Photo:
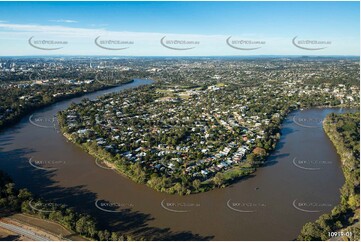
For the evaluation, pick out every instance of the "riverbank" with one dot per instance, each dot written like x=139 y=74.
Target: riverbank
x=44 y=220
x=273 y=180
x=41 y=227
x=228 y=178
x=135 y=173
x=344 y=132
x=182 y=183
x=27 y=110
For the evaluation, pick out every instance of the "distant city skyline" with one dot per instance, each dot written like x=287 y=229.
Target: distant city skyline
x=179 y=28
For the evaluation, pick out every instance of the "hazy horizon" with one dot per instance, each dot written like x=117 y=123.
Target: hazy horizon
x=180 y=28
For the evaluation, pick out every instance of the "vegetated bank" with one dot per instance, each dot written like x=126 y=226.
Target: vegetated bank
x=344 y=132
x=12 y=109
x=13 y=200
x=181 y=184
x=113 y=126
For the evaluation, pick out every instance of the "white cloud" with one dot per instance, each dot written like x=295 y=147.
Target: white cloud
x=49 y=30
x=63 y=21
x=99 y=25
x=82 y=41
x=72 y=32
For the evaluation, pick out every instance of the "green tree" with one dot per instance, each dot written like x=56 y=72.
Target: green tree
x=196 y=184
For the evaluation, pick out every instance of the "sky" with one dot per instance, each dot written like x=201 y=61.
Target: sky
x=179 y=28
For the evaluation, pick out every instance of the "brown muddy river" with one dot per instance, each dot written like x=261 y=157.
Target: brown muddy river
x=301 y=181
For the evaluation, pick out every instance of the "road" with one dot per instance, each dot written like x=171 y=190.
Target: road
x=24 y=232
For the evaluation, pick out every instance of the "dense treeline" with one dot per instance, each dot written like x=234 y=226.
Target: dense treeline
x=21 y=200
x=265 y=105
x=259 y=103
x=12 y=108
x=179 y=182
x=344 y=132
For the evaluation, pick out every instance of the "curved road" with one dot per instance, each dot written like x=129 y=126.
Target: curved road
x=24 y=232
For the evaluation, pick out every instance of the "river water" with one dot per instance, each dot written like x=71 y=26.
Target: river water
x=300 y=181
